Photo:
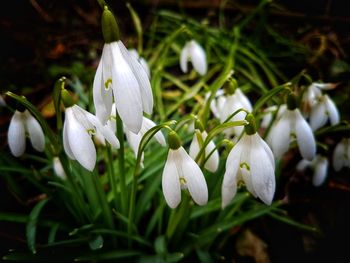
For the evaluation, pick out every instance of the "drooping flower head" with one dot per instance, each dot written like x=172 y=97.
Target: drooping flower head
x=23 y=123
x=251 y=161
x=78 y=127
x=291 y=126
x=120 y=77
x=341 y=154
x=182 y=172
x=143 y=62
x=193 y=52
x=320 y=167
x=199 y=137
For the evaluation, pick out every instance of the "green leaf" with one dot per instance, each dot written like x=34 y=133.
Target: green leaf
x=138 y=27
x=52 y=233
x=290 y=221
x=160 y=245
x=32 y=224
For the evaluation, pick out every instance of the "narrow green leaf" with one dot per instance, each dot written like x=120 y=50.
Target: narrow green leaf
x=32 y=224
x=138 y=27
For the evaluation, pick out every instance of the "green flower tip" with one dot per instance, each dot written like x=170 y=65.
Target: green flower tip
x=231 y=86
x=250 y=128
x=291 y=101
x=110 y=29
x=67 y=99
x=174 y=140
x=198 y=125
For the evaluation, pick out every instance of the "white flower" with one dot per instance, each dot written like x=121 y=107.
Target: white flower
x=320 y=166
x=310 y=98
x=251 y=161
x=58 y=168
x=78 y=127
x=212 y=163
x=268 y=113
x=120 y=75
x=182 y=172
x=193 y=52
x=341 y=155
x=289 y=127
x=142 y=61
x=20 y=124
x=135 y=139
x=323 y=110
x=233 y=103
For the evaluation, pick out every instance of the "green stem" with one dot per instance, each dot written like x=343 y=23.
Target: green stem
x=111 y=174
x=102 y=3
x=123 y=193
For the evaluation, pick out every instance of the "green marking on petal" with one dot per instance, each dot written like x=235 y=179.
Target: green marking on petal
x=183 y=181
x=108 y=83
x=245 y=165
x=91 y=131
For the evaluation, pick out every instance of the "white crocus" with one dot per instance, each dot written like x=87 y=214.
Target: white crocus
x=292 y=126
x=319 y=165
x=341 y=155
x=193 y=52
x=135 y=139
x=323 y=110
x=233 y=103
x=78 y=127
x=182 y=172
x=23 y=123
x=58 y=168
x=120 y=76
x=251 y=161
x=212 y=163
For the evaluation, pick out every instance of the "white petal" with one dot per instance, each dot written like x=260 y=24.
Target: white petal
x=144 y=64
x=147 y=125
x=142 y=78
x=262 y=172
x=229 y=184
x=247 y=178
x=170 y=182
x=66 y=145
x=244 y=100
x=198 y=58
x=194 y=177
x=58 y=168
x=212 y=163
x=318 y=116
x=279 y=136
x=134 y=140
x=338 y=156
x=305 y=137
x=126 y=92
x=303 y=164
x=36 y=134
x=266 y=148
x=332 y=111
x=184 y=58
x=103 y=129
x=16 y=135
x=320 y=173
x=80 y=143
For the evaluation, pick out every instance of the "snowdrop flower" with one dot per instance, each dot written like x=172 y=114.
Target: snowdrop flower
x=193 y=52
x=212 y=163
x=268 y=114
x=58 y=168
x=182 y=172
x=143 y=62
x=310 y=98
x=341 y=155
x=292 y=126
x=78 y=127
x=323 y=110
x=217 y=103
x=135 y=139
x=320 y=166
x=121 y=77
x=233 y=103
x=251 y=161
x=20 y=124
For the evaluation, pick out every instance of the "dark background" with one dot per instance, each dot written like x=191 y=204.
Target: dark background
x=40 y=39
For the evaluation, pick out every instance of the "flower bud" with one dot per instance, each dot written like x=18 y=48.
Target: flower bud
x=67 y=99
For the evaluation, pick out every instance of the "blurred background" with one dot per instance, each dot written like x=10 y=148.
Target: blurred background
x=41 y=40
